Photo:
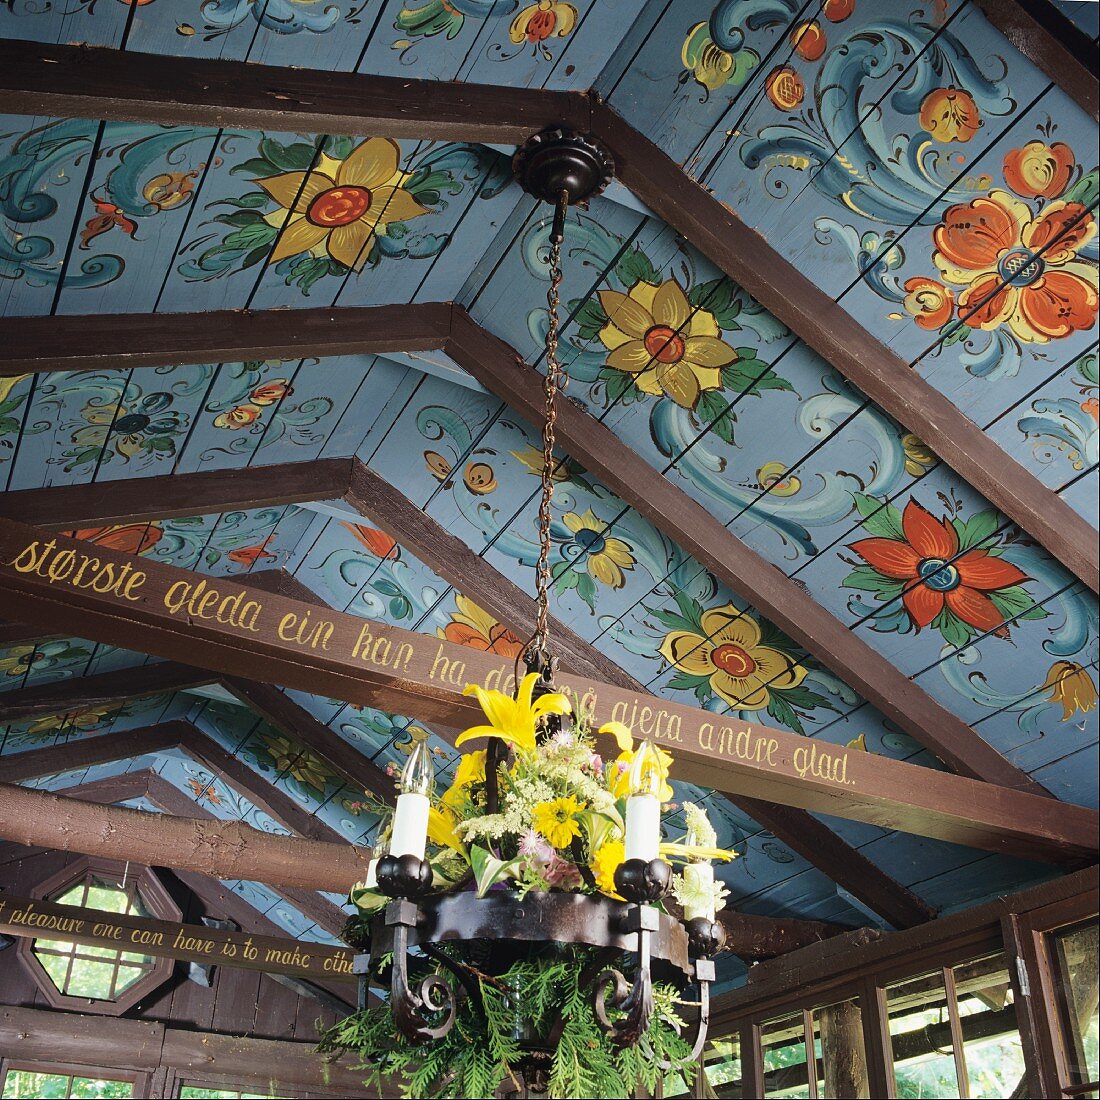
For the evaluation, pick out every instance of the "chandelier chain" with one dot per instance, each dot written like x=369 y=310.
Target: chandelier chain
x=554 y=382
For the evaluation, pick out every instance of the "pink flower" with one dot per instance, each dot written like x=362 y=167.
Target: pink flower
x=560 y=872
x=535 y=846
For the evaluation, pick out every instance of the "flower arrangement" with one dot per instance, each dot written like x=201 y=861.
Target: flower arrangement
x=539 y=810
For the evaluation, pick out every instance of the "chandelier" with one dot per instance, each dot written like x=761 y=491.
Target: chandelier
x=543 y=919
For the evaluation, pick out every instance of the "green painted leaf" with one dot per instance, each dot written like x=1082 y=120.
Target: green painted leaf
x=636 y=267
x=977 y=528
x=866 y=579
x=879 y=520
x=783 y=713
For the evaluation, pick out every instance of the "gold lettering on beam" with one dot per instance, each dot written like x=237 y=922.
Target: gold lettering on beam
x=57 y=567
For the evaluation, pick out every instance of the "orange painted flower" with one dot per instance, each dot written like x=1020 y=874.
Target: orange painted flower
x=950 y=114
x=933 y=581
x=1092 y=407
x=784 y=87
x=129 y=538
x=240 y=416
x=993 y=246
x=1039 y=170
x=836 y=11
x=249 y=555
x=539 y=21
x=267 y=393
x=377 y=542
x=808 y=40
x=928 y=302
x=339 y=207
x=471 y=626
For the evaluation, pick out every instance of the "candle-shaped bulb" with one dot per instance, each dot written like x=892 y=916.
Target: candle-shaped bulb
x=645 y=772
x=643 y=807
x=410 y=819
x=419 y=774
x=693 y=838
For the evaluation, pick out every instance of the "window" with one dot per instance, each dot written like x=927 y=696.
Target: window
x=44 y=1083
x=100 y=973
x=1074 y=956
x=99 y=979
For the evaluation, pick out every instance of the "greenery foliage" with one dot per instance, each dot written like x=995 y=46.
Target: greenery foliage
x=519 y=1008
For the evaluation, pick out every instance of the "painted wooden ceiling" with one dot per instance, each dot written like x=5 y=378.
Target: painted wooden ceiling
x=864 y=141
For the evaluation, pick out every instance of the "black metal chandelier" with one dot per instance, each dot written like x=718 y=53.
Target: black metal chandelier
x=634 y=942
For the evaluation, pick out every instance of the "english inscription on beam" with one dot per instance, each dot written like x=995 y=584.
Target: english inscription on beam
x=30 y=917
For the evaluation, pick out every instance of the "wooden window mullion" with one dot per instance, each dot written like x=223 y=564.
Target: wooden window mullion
x=876 y=1039
x=957 y=1046
x=811 y=1056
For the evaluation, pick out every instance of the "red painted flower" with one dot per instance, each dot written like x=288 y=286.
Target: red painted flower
x=129 y=538
x=377 y=542
x=923 y=560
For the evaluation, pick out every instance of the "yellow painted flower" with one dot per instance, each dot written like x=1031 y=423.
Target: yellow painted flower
x=741 y=670
x=619 y=777
x=472 y=626
x=605 y=863
x=513 y=720
x=339 y=206
x=9 y=384
x=919 y=457
x=1071 y=685
x=607 y=558
x=72 y=720
x=557 y=820
x=653 y=335
x=470 y=770
x=18 y=659
x=543 y=20
x=303 y=766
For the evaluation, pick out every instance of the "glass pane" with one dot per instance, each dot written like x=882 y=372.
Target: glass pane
x=784 y=1046
x=1075 y=965
x=723 y=1067
x=101 y=1086
x=57 y=967
x=841 y=1058
x=90 y=979
x=992 y=1048
x=127 y=975
x=21 y=1083
x=920 y=1035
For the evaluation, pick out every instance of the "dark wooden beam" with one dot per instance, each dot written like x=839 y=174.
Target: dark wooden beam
x=49 y=80
x=294 y=720
x=12 y=634
x=1052 y=43
x=228 y=849
x=147 y=784
x=124 y=340
x=102 y=690
x=65 y=507
x=496 y=366
x=114 y=1043
x=361 y=661
x=475 y=577
x=172 y=939
x=96 y=82
x=859 y=355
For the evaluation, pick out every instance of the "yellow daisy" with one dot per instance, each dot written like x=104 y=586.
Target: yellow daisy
x=557 y=820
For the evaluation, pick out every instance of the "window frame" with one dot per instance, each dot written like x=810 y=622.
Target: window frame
x=138 y=1078
x=154 y=895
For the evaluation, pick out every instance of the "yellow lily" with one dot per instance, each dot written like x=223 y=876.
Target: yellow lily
x=513 y=720
x=692 y=852
x=619 y=781
x=441 y=831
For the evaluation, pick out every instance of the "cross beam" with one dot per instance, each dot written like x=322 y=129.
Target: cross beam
x=110 y=597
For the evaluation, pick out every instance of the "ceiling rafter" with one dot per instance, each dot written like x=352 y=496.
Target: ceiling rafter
x=422 y=677
x=749 y=935
x=500 y=369
x=96 y=82
x=376 y=500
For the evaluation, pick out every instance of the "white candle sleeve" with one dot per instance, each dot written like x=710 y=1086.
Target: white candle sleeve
x=410 y=826
x=699 y=878
x=643 y=827
x=372 y=876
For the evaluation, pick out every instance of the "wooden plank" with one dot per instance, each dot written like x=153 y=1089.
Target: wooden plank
x=93 y=82
x=735 y=564
x=137 y=500
x=87 y=692
x=1052 y=44
x=221 y=624
x=228 y=849
x=853 y=350
x=111 y=1042
x=30 y=917
x=376 y=500
x=113 y=341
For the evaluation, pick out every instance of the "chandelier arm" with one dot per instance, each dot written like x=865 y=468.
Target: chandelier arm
x=433 y=994
x=703 y=1024
x=635 y=999
x=469 y=983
